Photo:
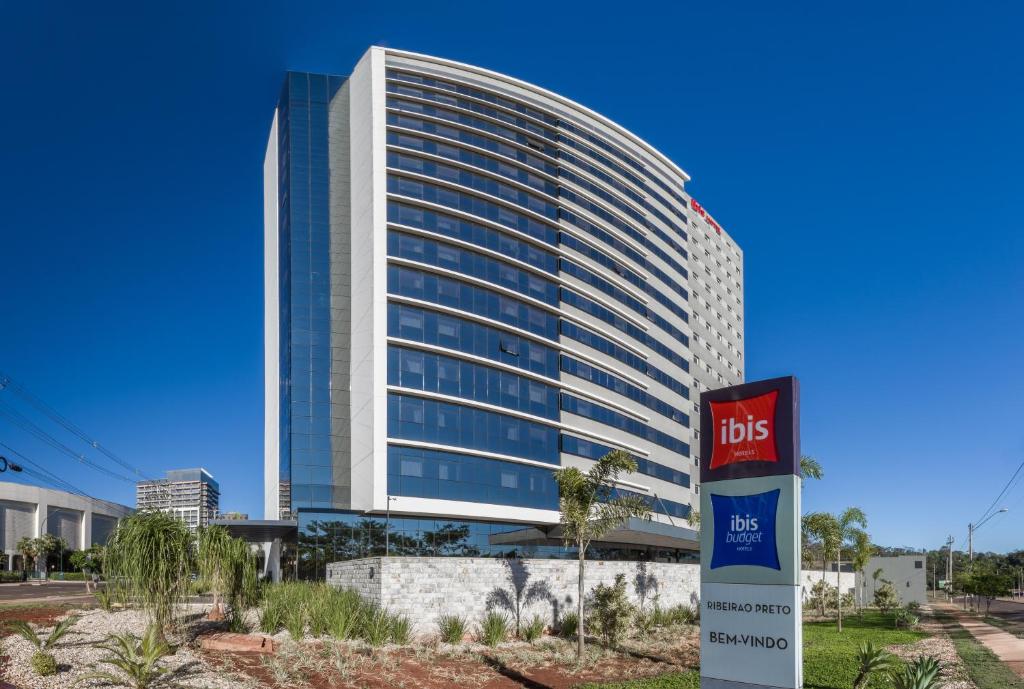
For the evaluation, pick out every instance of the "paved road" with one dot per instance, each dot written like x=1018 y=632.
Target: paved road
x=1001 y=607
x=51 y=591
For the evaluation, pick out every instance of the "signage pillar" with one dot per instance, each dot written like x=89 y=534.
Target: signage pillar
x=751 y=600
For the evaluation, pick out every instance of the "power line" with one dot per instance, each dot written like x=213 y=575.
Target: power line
x=28 y=426
x=1003 y=492
x=19 y=389
x=43 y=474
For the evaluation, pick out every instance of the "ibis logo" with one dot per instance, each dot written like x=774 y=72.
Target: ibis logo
x=745 y=530
x=744 y=430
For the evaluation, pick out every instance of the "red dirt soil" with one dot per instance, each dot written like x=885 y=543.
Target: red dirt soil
x=389 y=669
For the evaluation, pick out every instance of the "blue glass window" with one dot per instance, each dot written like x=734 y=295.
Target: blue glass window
x=418 y=370
x=477 y=265
x=591 y=450
x=417 y=284
x=596 y=412
x=449 y=476
x=444 y=423
x=606 y=346
x=607 y=380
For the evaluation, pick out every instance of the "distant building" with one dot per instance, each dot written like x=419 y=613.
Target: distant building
x=906 y=573
x=233 y=516
x=192 y=495
x=30 y=511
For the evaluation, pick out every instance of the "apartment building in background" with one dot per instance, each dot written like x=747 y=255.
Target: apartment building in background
x=471 y=281
x=192 y=495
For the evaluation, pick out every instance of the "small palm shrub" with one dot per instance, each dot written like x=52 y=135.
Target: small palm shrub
x=401 y=630
x=611 y=611
x=683 y=614
x=42 y=661
x=320 y=606
x=533 y=629
x=376 y=626
x=494 y=628
x=903 y=617
x=870 y=660
x=137 y=658
x=923 y=673
x=569 y=624
x=452 y=628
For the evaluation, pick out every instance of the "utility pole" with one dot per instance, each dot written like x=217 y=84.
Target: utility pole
x=949 y=566
x=970 y=542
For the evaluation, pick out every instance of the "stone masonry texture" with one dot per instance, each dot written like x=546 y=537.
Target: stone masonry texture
x=425 y=588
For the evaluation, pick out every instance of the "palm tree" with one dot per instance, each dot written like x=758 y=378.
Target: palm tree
x=851 y=524
x=590 y=509
x=811 y=468
x=823 y=529
x=226 y=564
x=151 y=556
x=862 y=552
x=29 y=549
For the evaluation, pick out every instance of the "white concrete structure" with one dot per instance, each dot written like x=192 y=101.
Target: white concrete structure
x=30 y=511
x=906 y=573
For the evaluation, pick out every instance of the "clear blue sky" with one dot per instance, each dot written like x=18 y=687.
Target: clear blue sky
x=867 y=159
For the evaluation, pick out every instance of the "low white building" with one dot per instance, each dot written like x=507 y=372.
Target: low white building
x=32 y=511
x=906 y=573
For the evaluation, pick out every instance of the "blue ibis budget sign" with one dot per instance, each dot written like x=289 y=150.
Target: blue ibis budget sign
x=745 y=530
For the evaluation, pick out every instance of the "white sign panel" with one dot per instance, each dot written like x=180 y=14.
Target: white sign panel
x=750 y=634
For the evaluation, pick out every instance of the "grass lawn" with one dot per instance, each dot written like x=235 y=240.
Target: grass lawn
x=984 y=669
x=829 y=656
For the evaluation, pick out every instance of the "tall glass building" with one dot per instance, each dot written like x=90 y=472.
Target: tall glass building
x=470 y=282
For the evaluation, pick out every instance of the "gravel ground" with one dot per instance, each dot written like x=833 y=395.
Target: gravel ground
x=941 y=646
x=76 y=656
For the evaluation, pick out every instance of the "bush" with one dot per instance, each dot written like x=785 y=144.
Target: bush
x=683 y=614
x=494 y=628
x=376 y=627
x=345 y=614
x=923 y=673
x=8 y=577
x=104 y=598
x=569 y=625
x=533 y=629
x=452 y=628
x=886 y=598
x=401 y=630
x=44 y=664
x=822 y=590
x=611 y=611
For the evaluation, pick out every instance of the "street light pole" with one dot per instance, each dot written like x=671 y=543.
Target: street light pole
x=971 y=528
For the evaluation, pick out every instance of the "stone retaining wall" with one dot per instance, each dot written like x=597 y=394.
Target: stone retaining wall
x=424 y=588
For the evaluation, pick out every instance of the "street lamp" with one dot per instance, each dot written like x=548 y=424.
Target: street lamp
x=5 y=465
x=971 y=528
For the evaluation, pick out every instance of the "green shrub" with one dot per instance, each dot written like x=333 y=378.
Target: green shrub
x=69 y=576
x=345 y=616
x=533 y=629
x=376 y=626
x=401 y=630
x=869 y=661
x=452 y=628
x=644 y=622
x=886 y=598
x=8 y=577
x=44 y=664
x=822 y=590
x=611 y=611
x=494 y=628
x=319 y=605
x=683 y=614
x=569 y=624
x=137 y=658
x=923 y=673
x=104 y=598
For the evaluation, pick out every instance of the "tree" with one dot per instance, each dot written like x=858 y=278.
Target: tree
x=151 y=557
x=590 y=509
x=823 y=530
x=862 y=551
x=227 y=565
x=990 y=585
x=48 y=543
x=886 y=598
x=811 y=468
x=850 y=524
x=88 y=561
x=29 y=549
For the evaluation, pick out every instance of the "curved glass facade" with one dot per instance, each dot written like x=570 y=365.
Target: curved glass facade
x=537 y=264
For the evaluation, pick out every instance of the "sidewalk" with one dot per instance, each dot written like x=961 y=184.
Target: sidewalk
x=1007 y=647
